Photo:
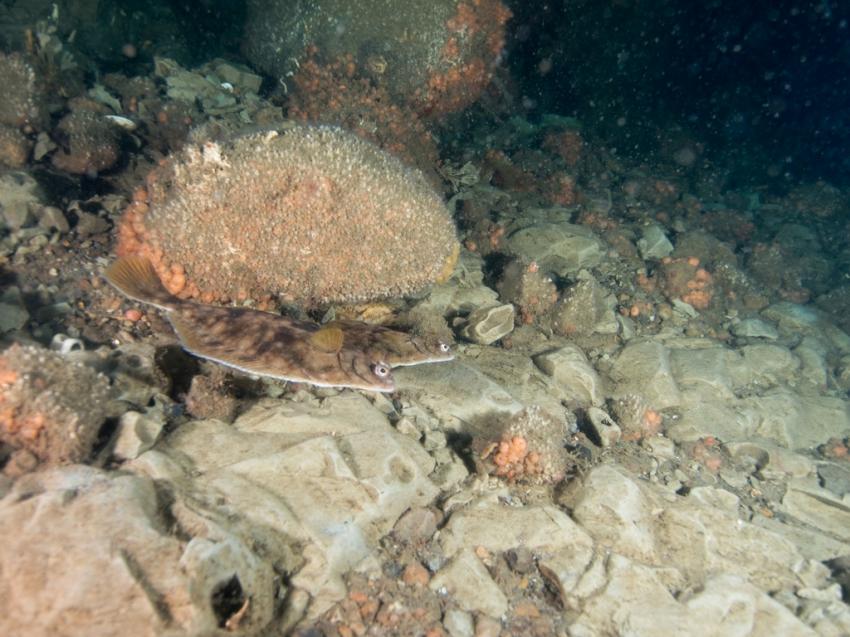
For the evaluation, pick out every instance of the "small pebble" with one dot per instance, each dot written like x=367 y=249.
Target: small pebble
x=415 y=574
x=487 y=627
x=133 y=315
x=520 y=559
x=416 y=526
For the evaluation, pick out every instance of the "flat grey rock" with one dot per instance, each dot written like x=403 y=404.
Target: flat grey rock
x=644 y=368
x=562 y=248
x=654 y=243
x=330 y=477
x=569 y=368
x=755 y=328
x=466 y=581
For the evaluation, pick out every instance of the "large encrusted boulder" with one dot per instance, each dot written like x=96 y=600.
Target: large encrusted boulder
x=309 y=214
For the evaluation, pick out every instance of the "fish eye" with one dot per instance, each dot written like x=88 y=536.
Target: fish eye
x=381 y=370
x=445 y=347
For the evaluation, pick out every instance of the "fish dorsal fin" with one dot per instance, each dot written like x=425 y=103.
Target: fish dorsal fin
x=328 y=339
x=136 y=277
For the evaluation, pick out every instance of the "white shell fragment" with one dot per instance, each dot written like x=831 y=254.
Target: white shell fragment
x=65 y=344
x=124 y=122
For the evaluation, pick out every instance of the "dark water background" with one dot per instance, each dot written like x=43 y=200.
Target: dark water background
x=763 y=85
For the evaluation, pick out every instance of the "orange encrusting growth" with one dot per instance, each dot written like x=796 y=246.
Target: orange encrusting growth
x=476 y=36
x=513 y=459
x=530 y=449
x=132 y=240
x=429 y=58
x=685 y=279
x=340 y=92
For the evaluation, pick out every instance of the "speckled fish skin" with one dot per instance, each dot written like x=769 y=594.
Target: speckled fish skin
x=251 y=341
x=396 y=348
x=271 y=345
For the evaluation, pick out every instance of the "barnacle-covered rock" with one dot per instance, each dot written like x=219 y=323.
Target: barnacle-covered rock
x=531 y=449
x=530 y=289
x=14 y=147
x=90 y=143
x=24 y=104
x=50 y=407
x=309 y=214
x=438 y=56
x=635 y=417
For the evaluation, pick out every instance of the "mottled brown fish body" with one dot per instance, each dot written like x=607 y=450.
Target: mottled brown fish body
x=396 y=348
x=252 y=341
x=271 y=345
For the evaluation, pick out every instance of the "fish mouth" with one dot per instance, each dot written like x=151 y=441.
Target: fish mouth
x=386 y=388
x=383 y=389
x=431 y=359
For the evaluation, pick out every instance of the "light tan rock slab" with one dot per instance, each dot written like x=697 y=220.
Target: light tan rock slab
x=643 y=368
x=767 y=365
x=521 y=379
x=466 y=580
x=706 y=372
x=563 y=248
x=636 y=602
x=456 y=393
x=91 y=553
x=819 y=509
x=721 y=420
x=498 y=528
x=330 y=477
x=795 y=421
x=569 y=368
x=697 y=535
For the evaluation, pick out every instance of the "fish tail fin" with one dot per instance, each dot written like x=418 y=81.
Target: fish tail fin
x=135 y=277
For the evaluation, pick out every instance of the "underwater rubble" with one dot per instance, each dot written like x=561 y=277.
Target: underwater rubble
x=645 y=428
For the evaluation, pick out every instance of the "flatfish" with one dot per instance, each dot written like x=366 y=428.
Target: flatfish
x=256 y=342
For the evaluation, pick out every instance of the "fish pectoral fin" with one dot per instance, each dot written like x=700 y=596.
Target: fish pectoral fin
x=136 y=277
x=328 y=339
